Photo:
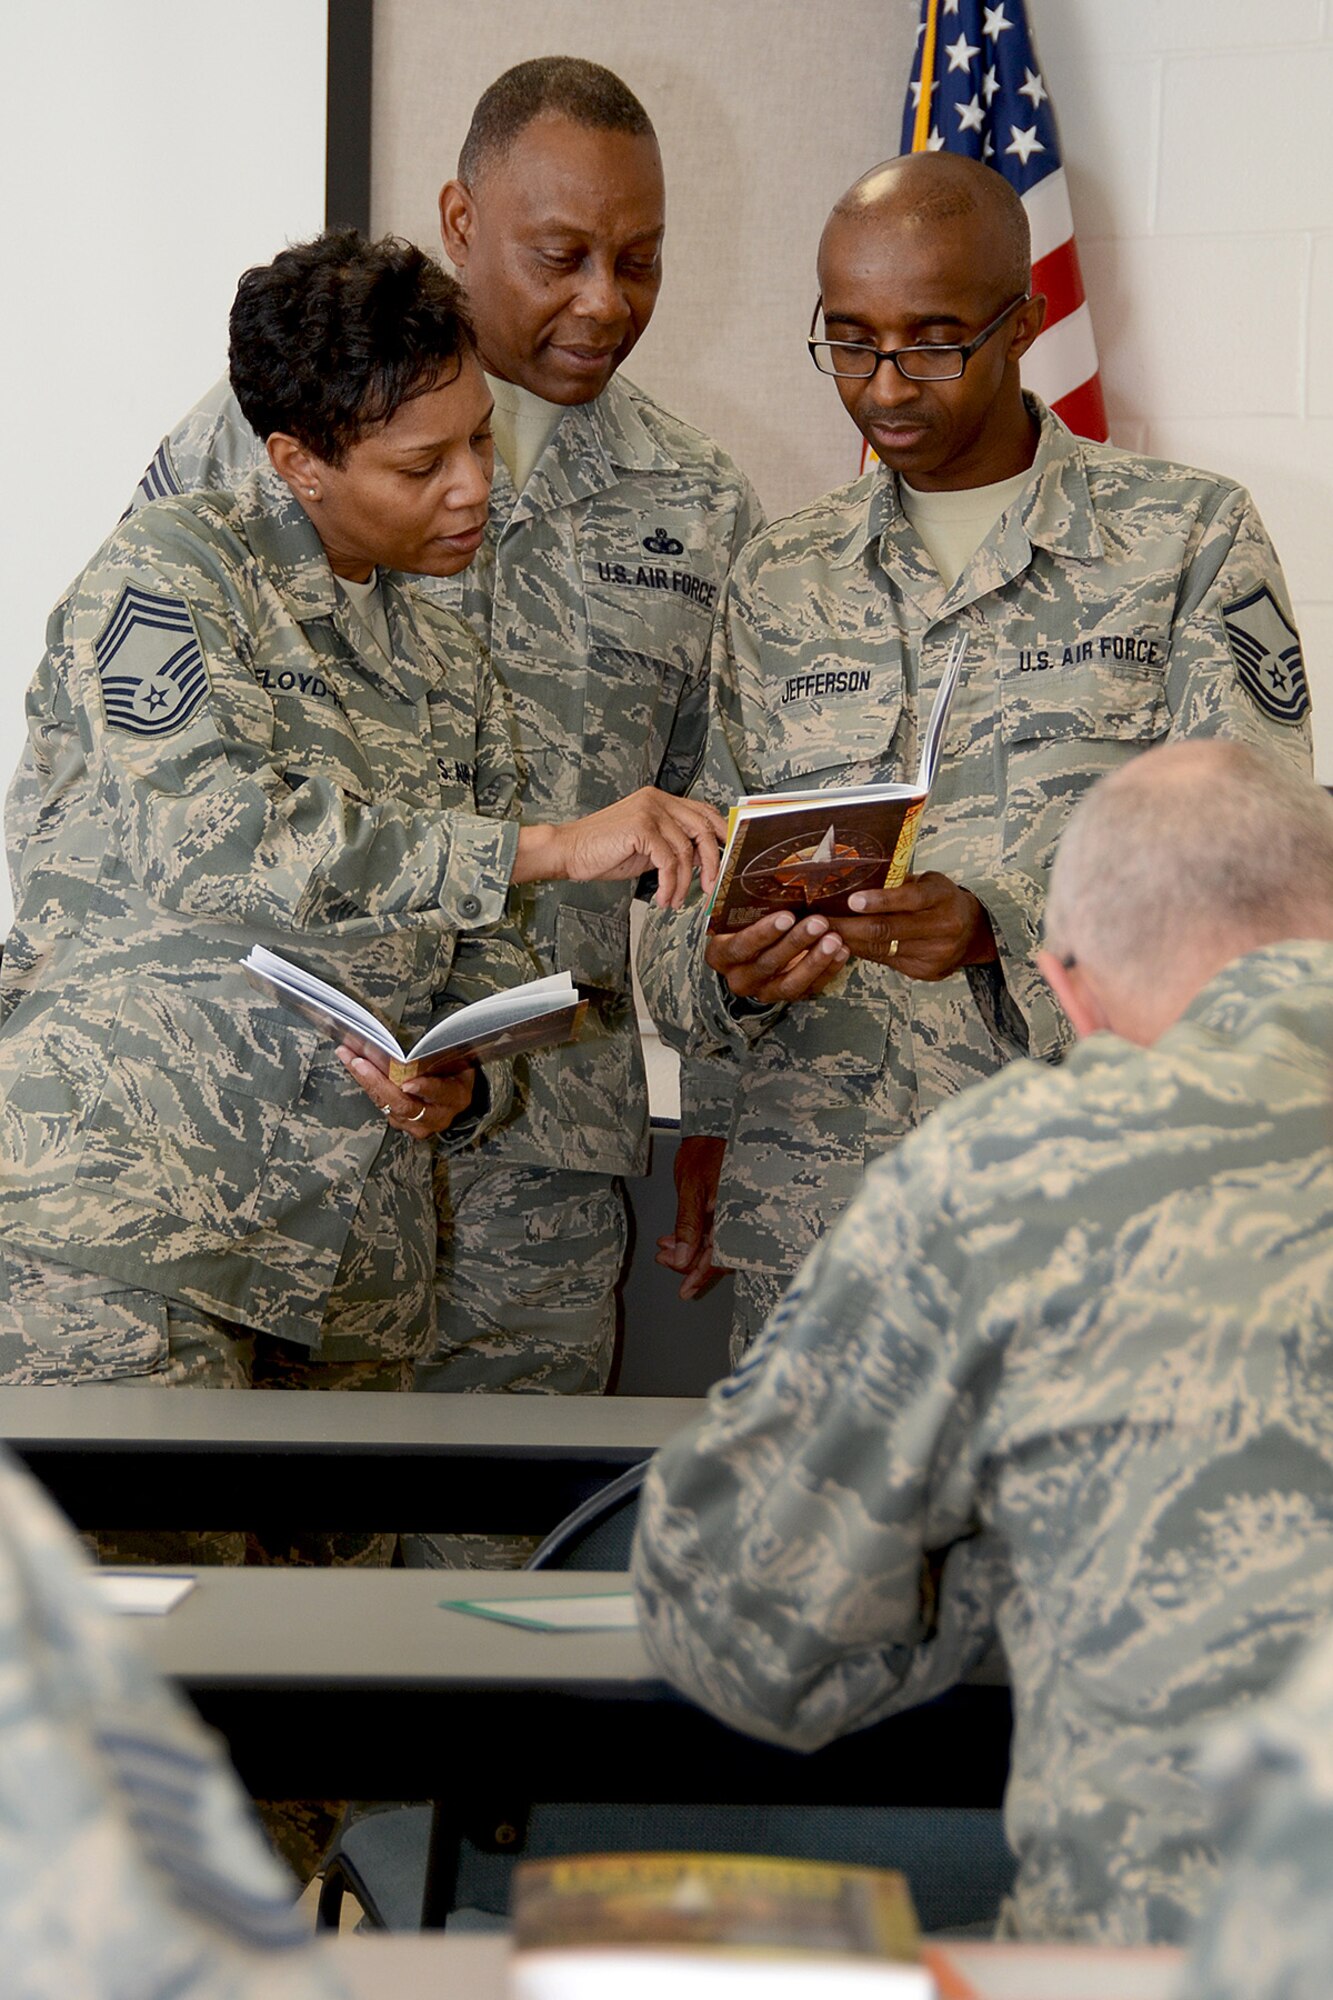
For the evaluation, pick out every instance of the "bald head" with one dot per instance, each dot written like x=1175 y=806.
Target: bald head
x=932 y=250
x=928 y=193
x=1178 y=863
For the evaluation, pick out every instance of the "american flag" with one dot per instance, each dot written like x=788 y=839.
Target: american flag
x=986 y=98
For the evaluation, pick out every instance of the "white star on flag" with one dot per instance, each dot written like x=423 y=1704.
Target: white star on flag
x=951 y=6
x=996 y=22
x=988 y=148
x=935 y=143
x=1024 y=143
x=916 y=91
x=1033 y=87
x=990 y=83
x=960 y=53
x=970 y=115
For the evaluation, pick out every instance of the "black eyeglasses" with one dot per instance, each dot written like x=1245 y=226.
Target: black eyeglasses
x=945 y=363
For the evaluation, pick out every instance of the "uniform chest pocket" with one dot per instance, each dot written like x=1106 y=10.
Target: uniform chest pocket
x=631 y=702
x=190 y=1107
x=312 y=740
x=837 y=722
x=1062 y=731
x=659 y=605
x=1084 y=704
x=649 y=626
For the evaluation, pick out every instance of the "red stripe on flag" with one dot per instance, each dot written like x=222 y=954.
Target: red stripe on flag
x=1084 y=411
x=1058 y=275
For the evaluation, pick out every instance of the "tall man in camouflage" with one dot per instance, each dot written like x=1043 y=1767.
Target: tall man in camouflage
x=1108 y=601
x=611 y=532
x=1063 y=1374
x=130 y=1865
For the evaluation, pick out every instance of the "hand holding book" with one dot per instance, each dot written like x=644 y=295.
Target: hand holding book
x=810 y=879
x=423 y=1108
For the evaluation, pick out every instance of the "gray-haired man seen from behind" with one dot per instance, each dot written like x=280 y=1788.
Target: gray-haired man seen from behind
x=1070 y=1353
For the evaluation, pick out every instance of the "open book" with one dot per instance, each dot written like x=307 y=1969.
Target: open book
x=715 y=1926
x=536 y=1015
x=807 y=851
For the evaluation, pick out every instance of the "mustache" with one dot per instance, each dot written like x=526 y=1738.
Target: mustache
x=892 y=416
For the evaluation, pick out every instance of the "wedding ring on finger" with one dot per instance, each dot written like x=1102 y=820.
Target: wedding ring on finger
x=893 y=947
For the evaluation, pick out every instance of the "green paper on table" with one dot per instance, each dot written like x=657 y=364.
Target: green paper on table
x=605 y=1611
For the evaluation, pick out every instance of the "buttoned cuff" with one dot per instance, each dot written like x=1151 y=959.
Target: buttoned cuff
x=1012 y=998
x=482 y=854
x=707 y=1096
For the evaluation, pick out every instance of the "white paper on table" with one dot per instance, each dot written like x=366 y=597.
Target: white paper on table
x=141 y=1593
x=606 y=1611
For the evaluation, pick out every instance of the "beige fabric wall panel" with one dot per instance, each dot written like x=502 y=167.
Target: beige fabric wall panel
x=766 y=110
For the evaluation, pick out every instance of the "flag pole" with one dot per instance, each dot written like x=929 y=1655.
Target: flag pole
x=921 y=128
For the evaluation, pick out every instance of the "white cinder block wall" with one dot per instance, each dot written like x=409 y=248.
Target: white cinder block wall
x=1199 y=145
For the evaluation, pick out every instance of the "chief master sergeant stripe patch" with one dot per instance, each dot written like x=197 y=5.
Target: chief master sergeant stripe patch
x=149 y=663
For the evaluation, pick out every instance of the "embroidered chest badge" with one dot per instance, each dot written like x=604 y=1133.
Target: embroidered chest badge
x=149 y=664
x=660 y=543
x=1267 y=651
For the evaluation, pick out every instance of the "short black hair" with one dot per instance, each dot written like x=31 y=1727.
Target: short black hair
x=336 y=334
x=581 y=91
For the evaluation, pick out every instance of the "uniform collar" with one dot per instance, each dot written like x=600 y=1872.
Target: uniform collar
x=587 y=453
x=1056 y=513
x=1249 y=986
x=283 y=540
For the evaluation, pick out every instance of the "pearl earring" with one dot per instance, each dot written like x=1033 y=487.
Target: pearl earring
x=311 y=491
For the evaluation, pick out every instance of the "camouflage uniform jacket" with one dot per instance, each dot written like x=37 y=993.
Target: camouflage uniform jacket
x=1267 y=1934
x=130 y=1864
x=595 y=590
x=1096 y=615
x=227 y=759
x=1074 y=1339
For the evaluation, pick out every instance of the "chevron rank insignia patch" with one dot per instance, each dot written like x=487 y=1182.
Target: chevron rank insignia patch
x=148 y=661
x=1267 y=652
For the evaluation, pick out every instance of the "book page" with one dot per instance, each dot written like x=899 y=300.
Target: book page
x=532 y=1000
x=316 y=1001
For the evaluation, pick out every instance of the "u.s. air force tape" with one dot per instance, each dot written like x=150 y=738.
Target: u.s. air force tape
x=149 y=663
x=1267 y=651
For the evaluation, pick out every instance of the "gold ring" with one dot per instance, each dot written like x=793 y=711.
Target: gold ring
x=893 y=947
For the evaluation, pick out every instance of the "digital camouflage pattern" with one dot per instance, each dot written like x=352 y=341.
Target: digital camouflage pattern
x=1074 y=1342
x=1097 y=617
x=533 y=1248
x=595 y=590
x=130 y=1865
x=1267 y=1933
x=226 y=758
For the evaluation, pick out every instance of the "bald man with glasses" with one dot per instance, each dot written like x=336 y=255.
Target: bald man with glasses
x=1109 y=601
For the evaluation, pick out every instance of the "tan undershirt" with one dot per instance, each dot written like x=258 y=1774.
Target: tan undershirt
x=367 y=601
x=954 y=525
x=523 y=424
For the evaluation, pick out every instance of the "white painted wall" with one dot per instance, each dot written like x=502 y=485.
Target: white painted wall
x=1197 y=141
x=151 y=150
